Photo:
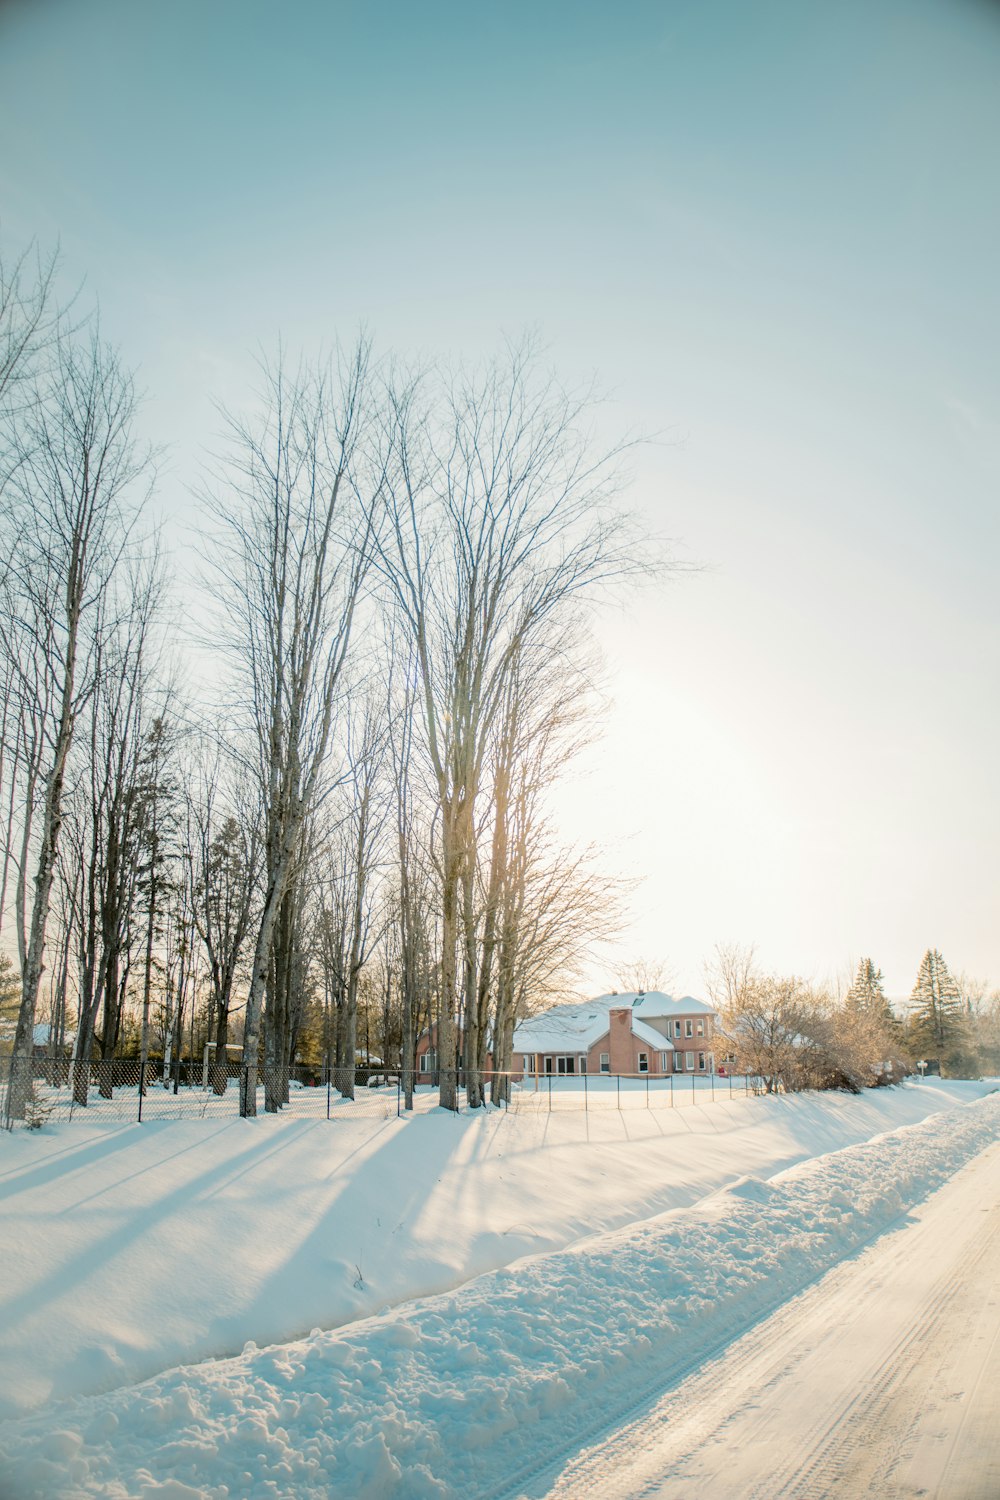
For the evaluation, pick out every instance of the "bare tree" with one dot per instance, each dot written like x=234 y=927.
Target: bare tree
x=729 y=972
x=29 y=321
x=225 y=858
x=499 y=516
x=297 y=515
x=66 y=521
x=351 y=865
x=644 y=975
x=101 y=849
x=547 y=907
x=765 y=1024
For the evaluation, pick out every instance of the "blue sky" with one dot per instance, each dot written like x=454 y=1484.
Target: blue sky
x=769 y=229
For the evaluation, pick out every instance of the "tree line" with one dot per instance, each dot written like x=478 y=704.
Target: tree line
x=332 y=827
x=794 y=1034
x=345 y=800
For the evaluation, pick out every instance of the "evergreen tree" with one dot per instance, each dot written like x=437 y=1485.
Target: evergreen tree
x=10 y=1001
x=867 y=993
x=937 y=1027
x=876 y=1031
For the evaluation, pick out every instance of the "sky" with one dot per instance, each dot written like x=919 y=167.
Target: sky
x=768 y=231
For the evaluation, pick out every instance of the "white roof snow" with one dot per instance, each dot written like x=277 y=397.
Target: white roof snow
x=656 y=1039
x=564 y=1028
x=649 y=1003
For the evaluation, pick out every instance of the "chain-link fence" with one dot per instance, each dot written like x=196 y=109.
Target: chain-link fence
x=123 y=1090
x=550 y=1092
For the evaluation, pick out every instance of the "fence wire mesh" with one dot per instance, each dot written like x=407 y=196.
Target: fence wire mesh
x=122 y=1090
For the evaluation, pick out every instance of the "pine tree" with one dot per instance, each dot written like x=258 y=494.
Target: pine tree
x=10 y=1001
x=875 y=1030
x=867 y=993
x=937 y=1016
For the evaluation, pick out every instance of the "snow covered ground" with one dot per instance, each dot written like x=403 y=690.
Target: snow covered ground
x=129 y=1250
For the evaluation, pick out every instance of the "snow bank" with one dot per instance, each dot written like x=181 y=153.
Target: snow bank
x=129 y=1249
x=461 y=1393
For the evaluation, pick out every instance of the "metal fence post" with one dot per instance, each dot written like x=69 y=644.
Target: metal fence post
x=550 y=1093
x=585 y=1093
x=399 y=1095
x=328 y=1094
x=671 y=1091
x=618 y=1085
x=647 y=1090
x=692 y=1087
x=142 y=1085
x=712 y=1076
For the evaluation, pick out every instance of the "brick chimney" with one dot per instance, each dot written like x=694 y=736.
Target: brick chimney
x=620 y=1038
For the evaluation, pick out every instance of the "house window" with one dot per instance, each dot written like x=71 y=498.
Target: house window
x=583 y=1063
x=664 y=1061
x=565 y=1065
x=605 y=1062
x=689 y=1060
x=701 y=1062
x=643 y=1062
x=428 y=1062
x=701 y=1028
x=548 y=1065
x=677 y=1028
x=689 y=1028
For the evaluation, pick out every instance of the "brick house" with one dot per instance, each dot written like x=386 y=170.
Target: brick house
x=645 y=1032
x=636 y=1032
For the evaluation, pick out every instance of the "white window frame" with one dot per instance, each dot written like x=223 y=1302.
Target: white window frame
x=677 y=1028
x=643 y=1062
x=701 y=1028
x=664 y=1061
x=582 y=1060
x=689 y=1061
x=688 y=1028
x=605 y=1062
x=701 y=1062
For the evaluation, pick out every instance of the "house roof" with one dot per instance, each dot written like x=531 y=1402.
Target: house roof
x=575 y=1028
x=654 y=1003
x=564 y=1028
x=656 y=1039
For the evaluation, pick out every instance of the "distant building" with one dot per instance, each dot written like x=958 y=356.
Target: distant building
x=636 y=1032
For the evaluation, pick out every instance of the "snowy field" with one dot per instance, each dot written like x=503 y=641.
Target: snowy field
x=382 y=1098
x=577 y=1259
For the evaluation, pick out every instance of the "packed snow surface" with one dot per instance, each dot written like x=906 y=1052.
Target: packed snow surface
x=131 y=1249
x=879 y=1379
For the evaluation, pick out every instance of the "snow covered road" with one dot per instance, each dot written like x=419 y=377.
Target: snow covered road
x=880 y=1380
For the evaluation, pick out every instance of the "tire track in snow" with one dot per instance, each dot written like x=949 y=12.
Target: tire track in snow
x=863 y=1439
x=861 y=1444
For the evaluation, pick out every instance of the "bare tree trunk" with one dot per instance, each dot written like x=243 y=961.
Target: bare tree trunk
x=76 y=460
x=301 y=547
x=148 y=970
